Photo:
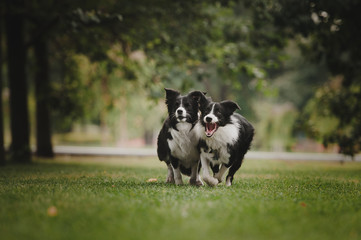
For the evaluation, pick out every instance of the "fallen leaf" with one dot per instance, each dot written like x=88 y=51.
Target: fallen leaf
x=52 y=211
x=152 y=180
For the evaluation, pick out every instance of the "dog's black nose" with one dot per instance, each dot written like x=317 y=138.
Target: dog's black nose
x=208 y=119
x=180 y=111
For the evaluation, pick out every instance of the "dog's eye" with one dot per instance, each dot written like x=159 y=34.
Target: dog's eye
x=186 y=104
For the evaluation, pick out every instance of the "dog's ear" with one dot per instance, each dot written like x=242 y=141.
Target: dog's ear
x=196 y=95
x=200 y=98
x=170 y=95
x=229 y=106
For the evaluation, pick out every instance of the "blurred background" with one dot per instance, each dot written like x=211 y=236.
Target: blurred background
x=93 y=72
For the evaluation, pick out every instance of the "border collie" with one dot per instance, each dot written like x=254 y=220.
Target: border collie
x=225 y=137
x=177 y=140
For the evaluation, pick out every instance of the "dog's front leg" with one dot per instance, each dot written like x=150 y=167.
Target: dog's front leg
x=219 y=175
x=176 y=170
x=211 y=181
x=195 y=180
x=177 y=176
x=170 y=175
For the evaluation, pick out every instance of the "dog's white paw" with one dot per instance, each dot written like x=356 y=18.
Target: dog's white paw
x=178 y=181
x=211 y=181
x=228 y=182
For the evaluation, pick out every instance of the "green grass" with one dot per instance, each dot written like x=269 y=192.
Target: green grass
x=103 y=198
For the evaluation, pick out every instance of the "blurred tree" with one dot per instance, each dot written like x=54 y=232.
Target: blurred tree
x=274 y=125
x=330 y=35
x=240 y=54
x=45 y=22
x=48 y=22
x=41 y=18
x=2 y=149
x=67 y=28
x=42 y=90
x=163 y=31
x=42 y=25
x=234 y=56
x=16 y=58
x=91 y=57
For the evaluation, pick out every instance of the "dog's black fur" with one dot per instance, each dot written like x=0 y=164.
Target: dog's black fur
x=225 y=137
x=177 y=140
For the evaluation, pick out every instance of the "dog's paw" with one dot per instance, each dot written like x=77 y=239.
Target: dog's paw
x=228 y=182
x=194 y=182
x=178 y=181
x=170 y=180
x=211 y=181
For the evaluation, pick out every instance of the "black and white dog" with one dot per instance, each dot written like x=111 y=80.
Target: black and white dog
x=225 y=137
x=178 y=140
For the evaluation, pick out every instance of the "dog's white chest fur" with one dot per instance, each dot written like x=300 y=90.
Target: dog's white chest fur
x=218 y=144
x=183 y=146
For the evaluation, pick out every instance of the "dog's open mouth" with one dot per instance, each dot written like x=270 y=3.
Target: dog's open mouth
x=211 y=128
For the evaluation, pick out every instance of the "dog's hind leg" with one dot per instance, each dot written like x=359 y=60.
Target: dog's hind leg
x=170 y=175
x=236 y=165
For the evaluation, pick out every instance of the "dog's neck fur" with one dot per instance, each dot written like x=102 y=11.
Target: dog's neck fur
x=227 y=134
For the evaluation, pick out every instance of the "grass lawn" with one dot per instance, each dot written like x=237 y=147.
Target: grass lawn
x=108 y=198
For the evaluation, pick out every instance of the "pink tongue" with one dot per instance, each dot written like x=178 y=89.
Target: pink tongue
x=210 y=128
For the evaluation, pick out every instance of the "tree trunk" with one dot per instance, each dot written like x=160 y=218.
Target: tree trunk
x=2 y=149
x=42 y=87
x=16 y=56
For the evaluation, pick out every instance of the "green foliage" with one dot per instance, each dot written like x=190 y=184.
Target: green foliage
x=298 y=79
x=332 y=38
x=113 y=93
x=274 y=126
x=269 y=199
x=236 y=62
x=111 y=59
x=66 y=97
x=97 y=77
x=338 y=121
x=98 y=81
